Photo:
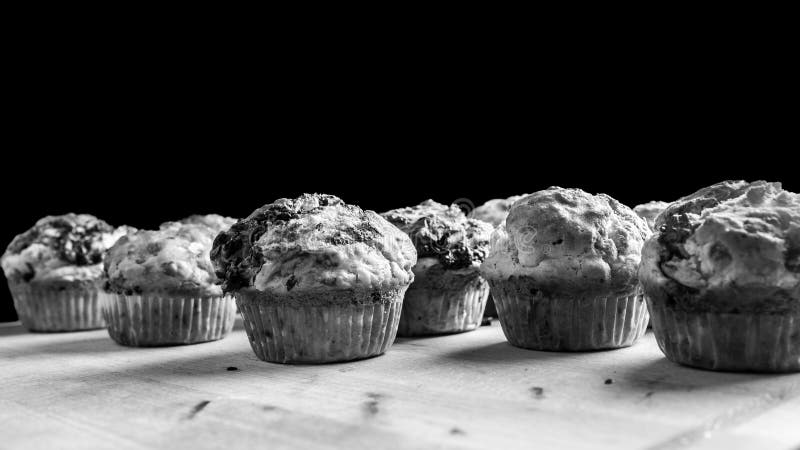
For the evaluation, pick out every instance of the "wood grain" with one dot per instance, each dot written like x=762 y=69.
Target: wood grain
x=472 y=390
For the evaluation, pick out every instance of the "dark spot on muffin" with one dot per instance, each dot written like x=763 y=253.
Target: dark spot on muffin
x=457 y=431
x=153 y=248
x=232 y=369
x=537 y=392
x=558 y=242
x=609 y=381
x=291 y=282
x=793 y=259
x=28 y=276
x=720 y=254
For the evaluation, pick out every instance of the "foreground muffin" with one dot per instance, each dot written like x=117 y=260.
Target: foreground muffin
x=448 y=294
x=161 y=289
x=722 y=276
x=55 y=271
x=494 y=212
x=563 y=272
x=316 y=280
x=649 y=211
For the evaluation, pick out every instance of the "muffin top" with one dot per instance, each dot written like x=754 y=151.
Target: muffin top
x=568 y=240
x=173 y=260
x=649 y=211
x=443 y=233
x=494 y=211
x=733 y=236
x=313 y=242
x=214 y=222
x=69 y=247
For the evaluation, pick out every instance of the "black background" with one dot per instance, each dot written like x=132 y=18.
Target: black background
x=144 y=138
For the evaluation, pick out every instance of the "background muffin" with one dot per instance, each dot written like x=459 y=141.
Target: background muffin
x=649 y=211
x=494 y=212
x=162 y=290
x=448 y=294
x=55 y=270
x=563 y=272
x=214 y=222
x=316 y=280
x=722 y=275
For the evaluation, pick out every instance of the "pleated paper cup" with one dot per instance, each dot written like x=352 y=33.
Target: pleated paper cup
x=320 y=327
x=453 y=304
x=741 y=342
x=150 y=320
x=535 y=320
x=57 y=306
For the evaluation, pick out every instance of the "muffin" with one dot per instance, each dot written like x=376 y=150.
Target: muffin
x=55 y=271
x=722 y=277
x=649 y=211
x=562 y=270
x=214 y=222
x=494 y=212
x=448 y=294
x=316 y=280
x=161 y=289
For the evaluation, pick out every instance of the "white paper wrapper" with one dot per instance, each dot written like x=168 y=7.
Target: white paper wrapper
x=743 y=342
x=155 y=320
x=562 y=323
x=320 y=328
x=48 y=308
x=453 y=305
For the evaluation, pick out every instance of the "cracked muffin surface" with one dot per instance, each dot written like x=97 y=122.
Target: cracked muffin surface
x=733 y=242
x=313 y=242
x=568 y=239
x=69 y=247
x=173 y=260
x=443 y=235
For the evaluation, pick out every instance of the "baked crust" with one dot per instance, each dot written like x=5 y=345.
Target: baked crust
x=444 y=233
x=173 y=260
x=68 y=247
x=733 y=246
x=649 y=211
x=494 y=211
x=313 y=242
x=568 y=240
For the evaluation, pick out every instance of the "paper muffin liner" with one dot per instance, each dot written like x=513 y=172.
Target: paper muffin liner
x=743 y=342
x=530 y=319
x=57 y=307
x=150 y=320
x=320 y=327
x=452 y=305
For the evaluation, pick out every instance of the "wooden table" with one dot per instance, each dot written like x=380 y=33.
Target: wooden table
x=79 y=390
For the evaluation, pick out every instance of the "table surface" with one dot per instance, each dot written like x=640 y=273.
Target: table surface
x=473 y=390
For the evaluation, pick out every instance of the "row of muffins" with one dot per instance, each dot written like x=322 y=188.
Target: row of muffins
x=317 y=280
